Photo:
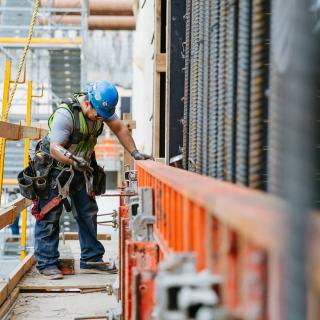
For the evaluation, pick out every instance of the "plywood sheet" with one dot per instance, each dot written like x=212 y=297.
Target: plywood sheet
x=66 y=306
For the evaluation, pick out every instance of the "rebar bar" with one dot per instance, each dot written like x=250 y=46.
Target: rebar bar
x=257 y=100
x=213 y=85
x=243 y=92
x=186 y=98
x=206 y=18
x=194 y=77
x=231 y=84
x=222 y=89
x=200 y=107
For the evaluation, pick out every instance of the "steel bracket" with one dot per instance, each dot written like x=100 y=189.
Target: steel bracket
x=180 y=288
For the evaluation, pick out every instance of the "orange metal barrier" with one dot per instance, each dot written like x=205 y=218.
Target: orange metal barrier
x=234 y=231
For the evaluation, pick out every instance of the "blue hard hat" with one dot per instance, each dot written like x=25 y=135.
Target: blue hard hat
x=103 y=97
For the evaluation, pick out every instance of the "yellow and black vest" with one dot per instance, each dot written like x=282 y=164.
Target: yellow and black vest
x=82 y=141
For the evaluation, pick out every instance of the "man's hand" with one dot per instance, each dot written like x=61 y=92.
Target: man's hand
x=79 y=164
x=140 y=156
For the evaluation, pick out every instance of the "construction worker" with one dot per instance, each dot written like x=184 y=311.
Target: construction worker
x=95 y=106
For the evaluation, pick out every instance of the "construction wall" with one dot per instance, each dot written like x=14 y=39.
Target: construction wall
x=143 y=67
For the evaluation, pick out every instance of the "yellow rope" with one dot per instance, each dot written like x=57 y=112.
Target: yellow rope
x=21 y=63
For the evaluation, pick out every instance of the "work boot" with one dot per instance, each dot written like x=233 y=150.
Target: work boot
x=51 y=273
x=98 y=268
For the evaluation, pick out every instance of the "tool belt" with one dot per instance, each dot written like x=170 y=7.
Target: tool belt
x=63 y=193
x=33 y=180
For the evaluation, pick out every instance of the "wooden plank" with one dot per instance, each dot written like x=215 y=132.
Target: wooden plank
x=9 y=302
x=75 y=236
x=33 y=281
x=6 y=287
x=22 y=268
x=156 y=84
x=30 y=306
x=130 y=124
x=161 y=62
x=10 y=182
x=127 y=159
x=4 y=291
x=80 y=280
x=12 y=131
x=9 y=213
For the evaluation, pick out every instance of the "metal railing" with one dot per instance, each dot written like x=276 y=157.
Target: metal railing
x=9 y=131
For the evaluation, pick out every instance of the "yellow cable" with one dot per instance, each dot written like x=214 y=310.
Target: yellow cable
x=25 y=50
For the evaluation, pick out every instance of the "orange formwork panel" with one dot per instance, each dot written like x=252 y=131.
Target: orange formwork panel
x=142 y=258
x=230 y=228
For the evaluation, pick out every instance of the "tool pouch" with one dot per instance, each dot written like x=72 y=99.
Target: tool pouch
x=99 y=181
x=26 y=187
x=40 y=184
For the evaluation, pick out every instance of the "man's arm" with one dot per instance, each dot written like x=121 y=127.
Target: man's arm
x=125 y=138
x=61 y=129
x=57 y=155
x=123 y=134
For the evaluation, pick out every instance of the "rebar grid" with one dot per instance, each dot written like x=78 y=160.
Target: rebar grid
x=213 y=85
x=194 y=78
x=205 y=100
x=231 y=84
x=222 y=89
x=200 y=107
x=257 y=100
x=243 y=92
x=186 y=87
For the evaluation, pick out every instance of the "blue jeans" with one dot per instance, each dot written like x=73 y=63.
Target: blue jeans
x=15 y=226
x=47 y=230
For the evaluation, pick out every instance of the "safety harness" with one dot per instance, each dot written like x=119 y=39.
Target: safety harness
x=79 y=136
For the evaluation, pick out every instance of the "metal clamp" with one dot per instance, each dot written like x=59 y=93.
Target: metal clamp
x=180 y=288
x=141 y=215
x=65 y=190
x=89 y=183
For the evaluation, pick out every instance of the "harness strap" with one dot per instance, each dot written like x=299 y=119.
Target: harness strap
x=39 y=215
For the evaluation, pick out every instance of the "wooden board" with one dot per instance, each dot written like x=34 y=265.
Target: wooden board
x=66 y=306
x=161 y=62
x=9 y=302
x=8 y=285
x=75 y=236
x=156 y=84
x=127 y=159
x=12 y=131
x=4 y=291
x=12 y=209
x=34 y=281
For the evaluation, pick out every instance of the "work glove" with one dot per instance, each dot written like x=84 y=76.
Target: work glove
x=79 y=164
x=136 y=155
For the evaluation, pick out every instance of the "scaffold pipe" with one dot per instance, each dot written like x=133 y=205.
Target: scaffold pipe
x=96 y=22
x=96 y=7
